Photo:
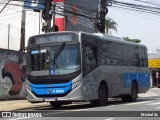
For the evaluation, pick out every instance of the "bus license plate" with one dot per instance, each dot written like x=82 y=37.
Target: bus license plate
x=50 y=99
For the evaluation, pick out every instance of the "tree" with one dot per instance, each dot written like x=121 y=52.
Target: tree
x=132 y=40
x=110 y=24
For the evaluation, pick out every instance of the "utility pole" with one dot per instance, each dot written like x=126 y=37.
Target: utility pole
x=39 y=21
x=48 y=15
x=53 y=12
x=22 y=42
x=102 y=13
x=8 y=35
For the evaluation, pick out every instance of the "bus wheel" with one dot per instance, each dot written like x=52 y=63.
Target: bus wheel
x=134 y=92
x=55 y=104
x=102 y=96
x=133 y=96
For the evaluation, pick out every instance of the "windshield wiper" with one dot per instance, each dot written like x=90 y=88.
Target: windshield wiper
x=57 y=52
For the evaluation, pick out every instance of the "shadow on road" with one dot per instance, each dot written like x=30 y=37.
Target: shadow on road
x=84 y=105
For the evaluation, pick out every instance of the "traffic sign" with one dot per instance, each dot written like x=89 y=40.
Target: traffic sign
x=34 y=4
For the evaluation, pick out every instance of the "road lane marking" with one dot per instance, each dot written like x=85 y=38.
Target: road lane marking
x=157 y=103
x=109 y=119
x=136 y=103
x=20 y=118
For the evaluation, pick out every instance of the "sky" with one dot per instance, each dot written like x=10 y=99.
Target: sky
x=12 y=15
x=133 y=25
x=130 y=24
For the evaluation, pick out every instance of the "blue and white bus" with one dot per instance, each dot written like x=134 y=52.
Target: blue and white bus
x=65 y=67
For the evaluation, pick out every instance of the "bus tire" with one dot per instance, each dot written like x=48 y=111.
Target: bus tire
x=55 y=104
x=134 y=92
x=102 y=96
x=133 y=96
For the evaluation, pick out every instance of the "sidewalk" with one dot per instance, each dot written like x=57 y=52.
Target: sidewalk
x=150 y=93
x=18 y=104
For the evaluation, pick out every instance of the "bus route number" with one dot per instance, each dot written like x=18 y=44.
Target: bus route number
x=59 y=91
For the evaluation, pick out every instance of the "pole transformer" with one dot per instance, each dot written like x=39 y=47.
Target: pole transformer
x=47 y=16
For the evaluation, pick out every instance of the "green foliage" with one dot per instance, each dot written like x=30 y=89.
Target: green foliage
x=132 y=40
x=110 y=24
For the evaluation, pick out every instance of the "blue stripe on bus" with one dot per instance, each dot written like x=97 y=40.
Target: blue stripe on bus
x=51 y=91
x=50 y=85
x=51 y=88
x=143 y=79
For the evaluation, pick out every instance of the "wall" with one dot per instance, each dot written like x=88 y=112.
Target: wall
x=12 y=74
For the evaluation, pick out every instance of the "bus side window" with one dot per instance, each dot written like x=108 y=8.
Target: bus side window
x=144 y=57
x=127 y=55
x=138 y=57
x=89 y=59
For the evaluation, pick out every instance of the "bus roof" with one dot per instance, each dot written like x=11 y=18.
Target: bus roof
x=102 y=36
x=52 y=33
x=114 y=38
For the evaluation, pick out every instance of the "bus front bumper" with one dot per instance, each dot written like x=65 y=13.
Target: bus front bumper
x=73 y=96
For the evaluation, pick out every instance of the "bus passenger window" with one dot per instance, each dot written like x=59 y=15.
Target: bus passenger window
x=89 y=59
x=137 y=59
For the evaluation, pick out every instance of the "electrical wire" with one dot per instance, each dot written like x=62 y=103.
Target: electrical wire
x=79 y=11
x=141 y=9
x=135 y=14
x=150 y=3
x=65 y=10
x=5 y=6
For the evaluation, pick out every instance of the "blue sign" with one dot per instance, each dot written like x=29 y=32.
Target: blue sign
x=52 y=72
x=34 y=4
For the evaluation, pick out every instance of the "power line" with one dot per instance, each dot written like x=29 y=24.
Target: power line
x=5 y=6
x=150 y=3
x=136 y=7
x=80 y=12
x=135 y=14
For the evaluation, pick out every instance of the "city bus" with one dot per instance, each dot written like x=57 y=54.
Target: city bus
x=66 y=67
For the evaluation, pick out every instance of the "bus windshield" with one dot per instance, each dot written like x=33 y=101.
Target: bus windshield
x=55 y=60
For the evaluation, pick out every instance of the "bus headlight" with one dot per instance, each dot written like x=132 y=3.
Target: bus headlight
x=76 y=84
x=28 y=86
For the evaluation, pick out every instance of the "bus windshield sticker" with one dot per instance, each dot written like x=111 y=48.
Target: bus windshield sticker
x=52 y=72
x=43 y=51
x=34 y=52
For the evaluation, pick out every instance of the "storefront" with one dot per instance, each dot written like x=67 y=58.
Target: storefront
x=154 y=67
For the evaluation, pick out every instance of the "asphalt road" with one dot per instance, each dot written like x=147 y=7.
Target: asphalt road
x=148 y=109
